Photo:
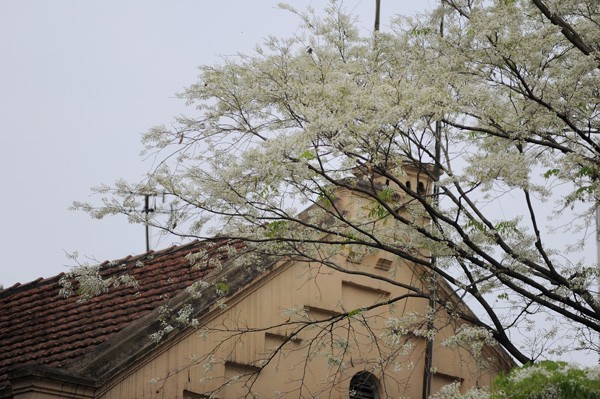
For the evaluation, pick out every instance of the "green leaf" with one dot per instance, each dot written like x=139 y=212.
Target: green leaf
x=473 y=225
x=386 y=194
x=585 y=171
x=420 y=31
x=378 y=211
x=351 y=237
x=277 y=228
x=326 y=198
x=308 y=155
x=584 y=189
x=508 y=228
x=544 y=380
x=503 y=296
x=551 y=172
x=222 y=288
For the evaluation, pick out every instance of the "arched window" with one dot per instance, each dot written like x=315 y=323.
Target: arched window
x=363 y=386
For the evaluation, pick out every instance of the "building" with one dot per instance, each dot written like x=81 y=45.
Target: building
x=278 y=328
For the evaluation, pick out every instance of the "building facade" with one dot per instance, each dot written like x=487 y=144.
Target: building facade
x=281 y=328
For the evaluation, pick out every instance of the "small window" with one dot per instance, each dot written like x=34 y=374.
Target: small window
x=363 y=386
x=408 y=184
x=193 y=395
x=420 y=188
x=383 y=264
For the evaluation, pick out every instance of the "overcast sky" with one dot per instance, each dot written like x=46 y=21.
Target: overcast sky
x=80 y=81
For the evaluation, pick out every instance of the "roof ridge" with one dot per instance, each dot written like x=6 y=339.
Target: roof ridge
x=104 y=265
x=19 y=287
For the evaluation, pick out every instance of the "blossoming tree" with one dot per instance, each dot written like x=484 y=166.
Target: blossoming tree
x=494 y=101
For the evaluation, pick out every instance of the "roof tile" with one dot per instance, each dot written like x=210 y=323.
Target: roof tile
x=39 y=326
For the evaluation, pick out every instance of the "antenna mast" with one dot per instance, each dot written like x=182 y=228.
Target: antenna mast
x=147 y=210
x=428 y=372
x=598 y=256
x=377 y=12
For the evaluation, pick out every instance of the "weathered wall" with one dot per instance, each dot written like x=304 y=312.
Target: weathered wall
x=239 y=337
x=303 y=364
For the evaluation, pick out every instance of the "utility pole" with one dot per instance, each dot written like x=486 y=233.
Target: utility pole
x=377 y=13
x=428 y=368
x=598 y=259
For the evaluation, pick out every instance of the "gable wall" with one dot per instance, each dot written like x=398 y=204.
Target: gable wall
x=198 y=363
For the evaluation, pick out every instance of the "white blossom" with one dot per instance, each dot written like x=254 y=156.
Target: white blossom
x=506 y=96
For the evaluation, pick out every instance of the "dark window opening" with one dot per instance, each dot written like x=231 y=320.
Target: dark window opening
x=193 y=395
x=420 y=188
x=408 y=185
x=363 y=386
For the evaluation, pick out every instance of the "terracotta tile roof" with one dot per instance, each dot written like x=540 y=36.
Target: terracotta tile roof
x=38 y=326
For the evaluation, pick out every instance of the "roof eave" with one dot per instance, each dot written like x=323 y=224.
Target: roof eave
x=49 y=381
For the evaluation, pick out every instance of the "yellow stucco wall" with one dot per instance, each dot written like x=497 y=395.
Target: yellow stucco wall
x=239 y=336
x=304 y=365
